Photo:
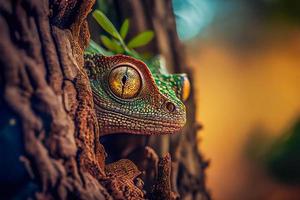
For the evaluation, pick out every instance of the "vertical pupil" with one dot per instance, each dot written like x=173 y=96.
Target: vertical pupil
x=124 y=79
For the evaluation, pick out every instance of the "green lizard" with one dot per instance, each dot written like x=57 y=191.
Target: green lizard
x=133 y=97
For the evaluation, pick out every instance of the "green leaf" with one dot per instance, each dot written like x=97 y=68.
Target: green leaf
x=95 y=48
x=141 y=39
x=107 y=42
x=106 y=24
x=117 y=46
x=124 y=28
x=133 y=53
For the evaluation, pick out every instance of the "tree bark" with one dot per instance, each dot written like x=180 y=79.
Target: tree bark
x=46 y=92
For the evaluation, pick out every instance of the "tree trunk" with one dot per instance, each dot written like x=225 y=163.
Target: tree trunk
x=49 y=134
x=46 y=95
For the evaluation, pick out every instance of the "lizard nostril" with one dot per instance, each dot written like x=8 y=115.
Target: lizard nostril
x=170 y=106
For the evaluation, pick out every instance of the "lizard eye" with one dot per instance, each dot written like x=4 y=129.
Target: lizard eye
x=125 y=82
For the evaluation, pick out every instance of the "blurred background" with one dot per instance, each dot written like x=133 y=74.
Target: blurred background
x=245 y=56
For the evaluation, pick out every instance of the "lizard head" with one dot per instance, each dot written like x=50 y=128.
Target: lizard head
x=129 y=98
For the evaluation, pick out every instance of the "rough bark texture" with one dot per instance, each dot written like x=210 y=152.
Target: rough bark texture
x=45 y=89
x=49 y=132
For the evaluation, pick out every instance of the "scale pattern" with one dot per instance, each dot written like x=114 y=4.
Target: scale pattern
x=157 y=109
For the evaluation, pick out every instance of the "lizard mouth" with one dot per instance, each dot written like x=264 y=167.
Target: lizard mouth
x=136 y=125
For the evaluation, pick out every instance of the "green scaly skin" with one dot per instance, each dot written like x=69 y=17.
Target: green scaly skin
x=157 y=109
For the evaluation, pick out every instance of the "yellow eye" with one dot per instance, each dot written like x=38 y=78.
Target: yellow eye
x=186 y=89
x=125 y=82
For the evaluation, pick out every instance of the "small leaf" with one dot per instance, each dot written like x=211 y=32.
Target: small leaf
x=95 y=48
x=141 y=39
x=133 y=53
x=106 y=24
x=107 y=42
x=124 y=28
x=117 y=46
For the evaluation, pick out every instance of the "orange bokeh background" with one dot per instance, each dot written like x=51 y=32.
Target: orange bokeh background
x=237 y=90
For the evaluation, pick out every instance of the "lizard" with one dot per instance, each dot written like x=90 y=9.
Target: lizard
x=135 y=97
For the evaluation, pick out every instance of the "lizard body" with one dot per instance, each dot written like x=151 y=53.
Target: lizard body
x=133 y=97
